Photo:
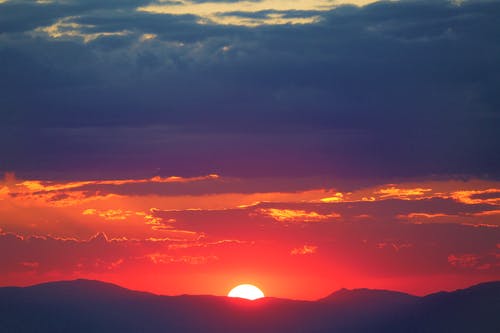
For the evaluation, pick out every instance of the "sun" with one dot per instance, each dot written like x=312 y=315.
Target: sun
x=246 y=291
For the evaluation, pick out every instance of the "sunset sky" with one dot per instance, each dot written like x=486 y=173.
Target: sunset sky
x=185 y=147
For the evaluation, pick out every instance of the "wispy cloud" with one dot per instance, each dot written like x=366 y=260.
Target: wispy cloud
x=66 y=28
x=292 y=215
x=403 y=193
x=303 y=250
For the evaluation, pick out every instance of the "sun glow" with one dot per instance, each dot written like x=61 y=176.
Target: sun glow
x=246 y=291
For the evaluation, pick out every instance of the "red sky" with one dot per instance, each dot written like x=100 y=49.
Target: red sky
x=301 y=146
x=291 y=237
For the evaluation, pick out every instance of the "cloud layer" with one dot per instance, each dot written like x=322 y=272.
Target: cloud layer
x=386 y=89
x=442 y=232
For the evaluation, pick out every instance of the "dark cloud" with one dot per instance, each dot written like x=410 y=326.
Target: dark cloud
x=390 y=89
x=21 y=16
x=97 y=254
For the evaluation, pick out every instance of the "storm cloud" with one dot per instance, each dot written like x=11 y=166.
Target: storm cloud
x=400 y=89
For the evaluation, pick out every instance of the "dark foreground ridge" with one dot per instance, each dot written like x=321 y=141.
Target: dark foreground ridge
x=93 y=306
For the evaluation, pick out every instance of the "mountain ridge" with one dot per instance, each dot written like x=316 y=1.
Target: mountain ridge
x=93 y=306
x=335 y=293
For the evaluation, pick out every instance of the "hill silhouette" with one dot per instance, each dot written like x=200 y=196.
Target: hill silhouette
x=93 y=306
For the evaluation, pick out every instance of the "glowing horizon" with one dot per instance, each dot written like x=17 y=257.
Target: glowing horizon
x=182 y=147
x=146 y=223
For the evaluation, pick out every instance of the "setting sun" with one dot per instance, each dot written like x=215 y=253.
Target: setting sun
x=246 y=291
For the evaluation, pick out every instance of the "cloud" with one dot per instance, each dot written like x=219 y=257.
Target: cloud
x=488 y=213
x=489 y=196
x=336 y=198
x=394 y=246
x=291 y=215
x=96 y=254
x=65 y=28
x=377 y=122
x=424 y=215
x=160 y=258
x=111 y=214
x=475 y=261
x=226 y=241
x=303 y=250
x=233 y=13
x=180 y=207
x=394 y=192
x=69 y=193
x=49 y=186
x=309 y=91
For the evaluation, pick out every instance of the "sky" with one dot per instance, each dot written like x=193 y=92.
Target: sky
x=185 y=147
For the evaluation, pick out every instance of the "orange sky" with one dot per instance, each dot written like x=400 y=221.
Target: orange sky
x=184 y=147
x=205 y=234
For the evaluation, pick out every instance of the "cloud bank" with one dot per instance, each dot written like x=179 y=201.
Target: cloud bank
x=385 y=89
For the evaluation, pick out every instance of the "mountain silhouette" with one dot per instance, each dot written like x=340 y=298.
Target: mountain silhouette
x=93 y=306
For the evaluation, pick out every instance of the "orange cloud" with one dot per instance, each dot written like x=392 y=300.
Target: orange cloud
x=403 y=193
x=160 y=258
x=303 y=250
x=421 y=215
x=112 y=214
x=4 y=190
x=338 y=197
x=36 y=207
x=487 y=213
x=426 y=215
x=74 y=193
x=291 y=215
x=50 y=186
x=478 y=196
